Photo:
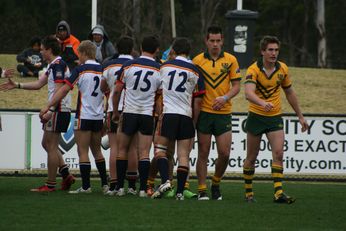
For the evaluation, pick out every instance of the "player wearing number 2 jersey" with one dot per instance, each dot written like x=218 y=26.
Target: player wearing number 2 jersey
x=89 y=115
x=181 y=80
x=140 y=79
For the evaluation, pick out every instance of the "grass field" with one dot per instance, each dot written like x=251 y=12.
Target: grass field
x=318 y=90
x=319 y=206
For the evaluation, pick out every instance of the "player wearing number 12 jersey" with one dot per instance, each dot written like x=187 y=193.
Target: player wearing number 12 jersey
x=181 y=81
x=140 y=79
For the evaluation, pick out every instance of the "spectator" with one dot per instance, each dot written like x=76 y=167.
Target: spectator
x=104 y=47
x=69 y=44
x=31 y=59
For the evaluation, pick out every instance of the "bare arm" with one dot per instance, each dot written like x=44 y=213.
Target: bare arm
x=104 y=86
x=158 y=102
x=35 y=85
x=197 y=102
x=293 y=101
x=116 y=97
x=57 y=97
x=222 y=100
x=251 y=96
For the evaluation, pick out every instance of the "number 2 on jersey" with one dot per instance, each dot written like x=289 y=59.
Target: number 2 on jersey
x=180 y=87
x=97 y=83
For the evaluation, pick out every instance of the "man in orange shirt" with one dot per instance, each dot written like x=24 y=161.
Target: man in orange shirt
x=69 y=44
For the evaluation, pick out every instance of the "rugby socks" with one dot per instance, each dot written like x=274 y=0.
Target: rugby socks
x=143 y=169
x=277 y=174
x=85 y=168
x=113 y=184
x=121 y=172
x=101 y=167
x=64 y=171
x=132 y=178
x=248 y=174
x=215 y=181
x=162 y=165
x=51 y=184
x=202 y=188
x=182 y=173
x=187 y=185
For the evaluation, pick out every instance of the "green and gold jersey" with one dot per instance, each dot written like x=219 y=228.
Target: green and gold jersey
x=268 y=87
x=218 y=75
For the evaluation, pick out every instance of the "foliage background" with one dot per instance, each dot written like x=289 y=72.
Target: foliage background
x=292 y=21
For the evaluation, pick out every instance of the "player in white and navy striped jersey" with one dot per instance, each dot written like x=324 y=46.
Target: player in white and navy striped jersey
x=89 y=113
x=140 y=79
x=110 y=74
x=182 y=86
x=57 y=119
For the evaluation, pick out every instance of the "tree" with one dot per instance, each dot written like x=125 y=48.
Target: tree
x=322 y=41
x=208 y=9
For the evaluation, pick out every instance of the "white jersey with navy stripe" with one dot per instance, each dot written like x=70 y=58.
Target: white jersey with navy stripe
x=111 y=74
x=56 y=72
x=181 y=80
x=141 y=77
x=90 y=97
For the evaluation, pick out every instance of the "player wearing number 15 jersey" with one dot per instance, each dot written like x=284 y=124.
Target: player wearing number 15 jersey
x=140 y=79
x=89 y=115
x=181 y=81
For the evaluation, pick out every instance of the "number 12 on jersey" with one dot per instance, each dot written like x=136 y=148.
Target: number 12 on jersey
x=180 y=87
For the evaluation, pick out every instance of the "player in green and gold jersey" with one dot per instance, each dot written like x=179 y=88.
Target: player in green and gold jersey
x=222 y=82
x=264 y=81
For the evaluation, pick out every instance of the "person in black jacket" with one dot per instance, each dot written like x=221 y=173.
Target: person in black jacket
x=31 y=59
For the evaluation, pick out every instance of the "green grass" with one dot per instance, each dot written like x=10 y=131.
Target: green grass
x=319 y=206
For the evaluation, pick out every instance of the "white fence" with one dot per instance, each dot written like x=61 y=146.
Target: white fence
x=321 y=150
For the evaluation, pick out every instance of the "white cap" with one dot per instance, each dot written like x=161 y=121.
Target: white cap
x=97 y=31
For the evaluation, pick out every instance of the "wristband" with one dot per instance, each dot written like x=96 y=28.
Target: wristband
x=51 y=109
x=19 y=85
x=225 y=97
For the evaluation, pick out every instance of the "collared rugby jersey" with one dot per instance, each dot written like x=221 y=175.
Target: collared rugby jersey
x=268 y=87
x=90 y=97
x=217 y=75
x=111 y=73
x=56 y=72
x=141 y=77
x=181 y=80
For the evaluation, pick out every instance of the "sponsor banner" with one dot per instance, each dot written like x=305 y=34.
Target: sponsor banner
x=12 y=141
x=67 y=146
x=320 y=150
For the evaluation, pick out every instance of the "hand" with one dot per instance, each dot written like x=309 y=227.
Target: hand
x=43 y=111
x=219 y=102
x=268 y=106
x=29 y=60
x=7 y=73
x=8 y=86
x=115 y=116
x=304 y=124
x=46 y=117
x=38 y=64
